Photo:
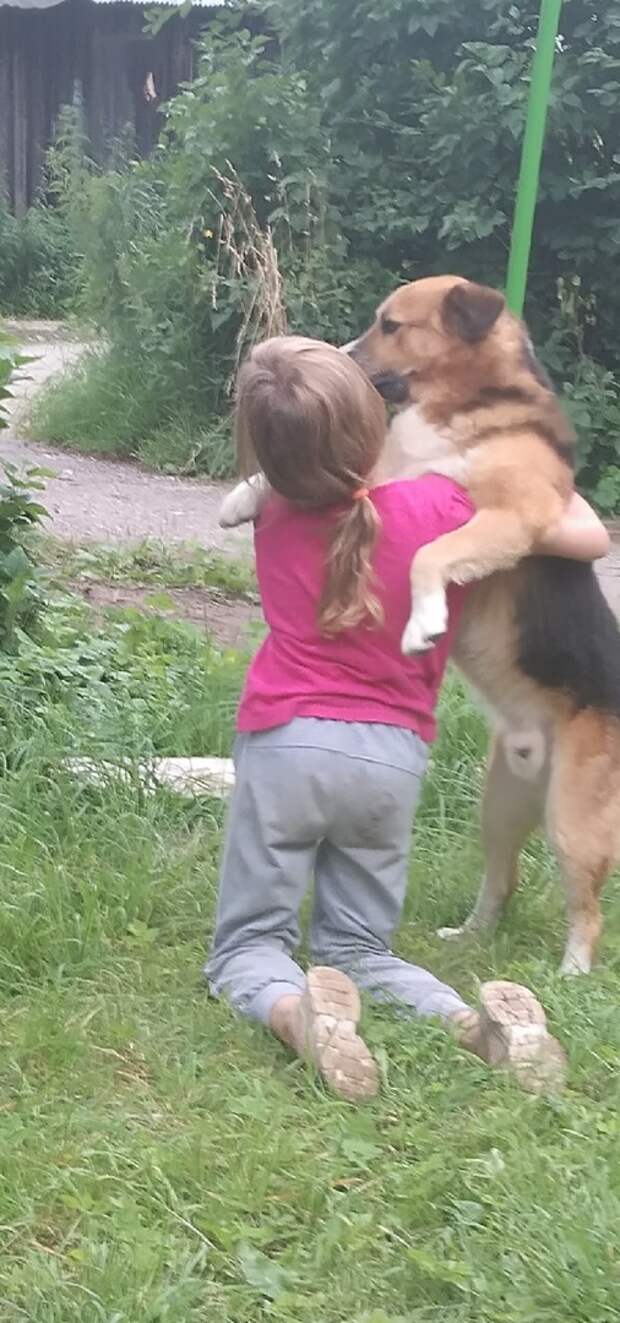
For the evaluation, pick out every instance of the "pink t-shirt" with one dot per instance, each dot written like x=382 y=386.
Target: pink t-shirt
x=360 y=674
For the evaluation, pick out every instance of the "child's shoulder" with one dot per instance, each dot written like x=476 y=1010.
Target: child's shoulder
x=432 y=498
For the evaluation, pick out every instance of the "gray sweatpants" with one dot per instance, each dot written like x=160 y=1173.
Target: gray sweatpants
x=334 y=800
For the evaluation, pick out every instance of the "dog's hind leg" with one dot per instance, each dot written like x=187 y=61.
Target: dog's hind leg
x=583 y=824
x=512 y=808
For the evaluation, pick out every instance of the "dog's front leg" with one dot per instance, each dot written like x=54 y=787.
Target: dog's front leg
x=245 y=502
x=493 y=540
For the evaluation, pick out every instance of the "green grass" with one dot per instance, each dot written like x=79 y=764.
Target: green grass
x=150 y=562
x=162 y=1161
x=109 y=403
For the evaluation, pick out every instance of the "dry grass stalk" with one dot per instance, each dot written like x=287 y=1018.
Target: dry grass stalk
x=247 y=253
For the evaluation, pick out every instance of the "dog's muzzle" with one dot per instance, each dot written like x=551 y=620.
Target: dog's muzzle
x=392 y=387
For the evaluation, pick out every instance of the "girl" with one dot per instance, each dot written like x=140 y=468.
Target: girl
x=334 y=728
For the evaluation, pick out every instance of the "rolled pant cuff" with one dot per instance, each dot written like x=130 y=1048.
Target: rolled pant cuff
x=261 y=1006
x=444 y=1004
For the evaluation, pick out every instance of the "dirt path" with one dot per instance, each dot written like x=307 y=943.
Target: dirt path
x=100 y=500
x=231 y=621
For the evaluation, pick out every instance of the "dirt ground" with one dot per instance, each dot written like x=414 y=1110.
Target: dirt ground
x=228 y=620
x=105 y=501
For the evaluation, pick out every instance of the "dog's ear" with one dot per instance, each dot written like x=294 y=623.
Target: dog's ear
x=470 y=311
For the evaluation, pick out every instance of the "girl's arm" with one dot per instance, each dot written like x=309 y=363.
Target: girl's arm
x=579 y=535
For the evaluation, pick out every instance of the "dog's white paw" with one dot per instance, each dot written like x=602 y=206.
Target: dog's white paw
x=240 y=506
x=427 y=622
x=575 y=962
x=415 y=640
x=452 y=934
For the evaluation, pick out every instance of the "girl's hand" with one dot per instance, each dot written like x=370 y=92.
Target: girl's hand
x=579 y=535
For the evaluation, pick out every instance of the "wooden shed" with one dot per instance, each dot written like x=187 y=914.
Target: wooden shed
x=91 y=53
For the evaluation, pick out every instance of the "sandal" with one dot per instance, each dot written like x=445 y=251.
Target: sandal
x=510 y=1032
x=330 y=1011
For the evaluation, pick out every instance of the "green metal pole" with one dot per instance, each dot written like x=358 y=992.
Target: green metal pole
x=527 y=188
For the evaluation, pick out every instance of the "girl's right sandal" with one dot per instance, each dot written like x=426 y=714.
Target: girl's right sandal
x=513 y=1035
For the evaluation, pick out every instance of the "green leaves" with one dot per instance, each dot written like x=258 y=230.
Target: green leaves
x=9 y=361
x=21 y=584
x=21 y=592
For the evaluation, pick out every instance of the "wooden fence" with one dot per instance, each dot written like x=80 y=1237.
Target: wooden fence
x=96 y=55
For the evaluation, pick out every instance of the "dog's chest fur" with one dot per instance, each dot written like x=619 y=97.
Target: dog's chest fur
x=414 y=447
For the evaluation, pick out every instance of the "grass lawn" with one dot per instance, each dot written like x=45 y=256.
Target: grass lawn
x=160 y=1160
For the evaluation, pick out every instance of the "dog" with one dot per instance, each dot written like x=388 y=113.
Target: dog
x=537 y=639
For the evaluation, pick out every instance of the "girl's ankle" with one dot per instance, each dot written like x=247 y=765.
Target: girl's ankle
x=286 y=1021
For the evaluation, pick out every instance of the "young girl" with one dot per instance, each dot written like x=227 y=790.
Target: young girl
x=334 y=728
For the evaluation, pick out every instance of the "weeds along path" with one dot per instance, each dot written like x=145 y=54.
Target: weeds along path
x=102 y=500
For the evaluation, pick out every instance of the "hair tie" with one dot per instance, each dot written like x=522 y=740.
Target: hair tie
x=360 y=494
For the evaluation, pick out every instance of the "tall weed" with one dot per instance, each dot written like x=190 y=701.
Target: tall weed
x=40 y=257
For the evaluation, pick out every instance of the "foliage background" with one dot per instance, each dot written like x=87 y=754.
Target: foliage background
x=378 y=140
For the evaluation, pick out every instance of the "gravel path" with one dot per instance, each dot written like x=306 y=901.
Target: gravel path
x=102 y=500
x=609 y=571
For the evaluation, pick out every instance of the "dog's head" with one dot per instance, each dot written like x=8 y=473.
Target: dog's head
x=432 y=330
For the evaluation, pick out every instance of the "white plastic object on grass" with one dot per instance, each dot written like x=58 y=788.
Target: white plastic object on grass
x=191 y=777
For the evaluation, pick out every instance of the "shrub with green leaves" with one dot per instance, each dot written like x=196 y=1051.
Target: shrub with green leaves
x=21 y=583
x=8 y=363
x=375 y=142
x=40 y=262
x=21 y=593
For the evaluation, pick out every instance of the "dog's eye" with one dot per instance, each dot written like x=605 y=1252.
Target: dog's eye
x=388 y=326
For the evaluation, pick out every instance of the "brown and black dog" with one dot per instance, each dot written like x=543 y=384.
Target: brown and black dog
x=537 y=639
x=473 y=404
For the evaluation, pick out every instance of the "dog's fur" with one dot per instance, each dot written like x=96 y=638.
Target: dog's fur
x=537 y=639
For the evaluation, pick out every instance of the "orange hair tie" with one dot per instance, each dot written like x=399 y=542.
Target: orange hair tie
x=361 y=494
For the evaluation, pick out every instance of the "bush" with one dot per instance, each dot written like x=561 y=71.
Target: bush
x=38 y=265
x=40 y=262
x=593 y=399
x=181 y=272
x=21 y=583
x=21 y=592
x=364 y=144
x=7 y=367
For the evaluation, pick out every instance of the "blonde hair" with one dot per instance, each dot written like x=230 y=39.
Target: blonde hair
x=309 y=418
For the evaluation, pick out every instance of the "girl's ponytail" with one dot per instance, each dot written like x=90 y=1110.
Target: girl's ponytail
x=347 y=597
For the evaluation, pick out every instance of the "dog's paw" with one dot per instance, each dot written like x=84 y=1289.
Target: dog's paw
x=427 y=622
x=415 y=639
x=240 y=506
x=575 y=962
